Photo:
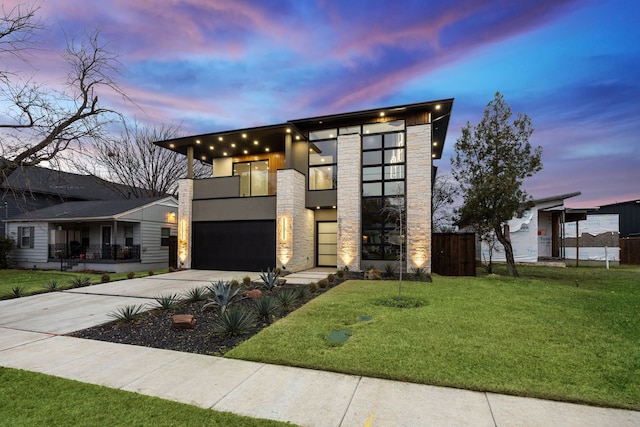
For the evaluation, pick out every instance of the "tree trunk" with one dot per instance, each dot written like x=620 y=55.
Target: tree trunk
x=503 y=237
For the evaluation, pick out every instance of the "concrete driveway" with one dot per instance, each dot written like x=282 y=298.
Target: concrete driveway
x=80 y=308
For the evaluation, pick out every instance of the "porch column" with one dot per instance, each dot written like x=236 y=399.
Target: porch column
x=418 y=194
x=185 y=198
x=349 y=203
x=288 y=153
x=190 y=162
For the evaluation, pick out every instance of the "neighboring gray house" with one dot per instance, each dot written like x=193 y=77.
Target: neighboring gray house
x=31 y=188
x=114 y=235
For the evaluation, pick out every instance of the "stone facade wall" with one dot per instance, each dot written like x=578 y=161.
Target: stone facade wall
x=418 y=194
x=349 y=205
x=295 y=224
x=185 y=204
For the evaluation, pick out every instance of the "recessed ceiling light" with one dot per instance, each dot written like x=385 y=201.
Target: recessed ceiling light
x=317 y=207
x=244 y=135
x=381 y=113
x=197 y=141
x=297 y=137
x=333 y=207
x=211 y=147
x=224 y=154
x=204 y=158
x=255 y=142
x=233 y=145
x=435 y=143
x=433 y=156
x=266 y=149
x=172 y=146
x=437 y=106
x=288 y=130
x=219 y=138
x=245 y=151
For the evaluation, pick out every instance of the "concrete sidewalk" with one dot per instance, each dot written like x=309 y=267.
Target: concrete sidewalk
x=302 y=396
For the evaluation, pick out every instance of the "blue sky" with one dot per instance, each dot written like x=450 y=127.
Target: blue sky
x=210 y=65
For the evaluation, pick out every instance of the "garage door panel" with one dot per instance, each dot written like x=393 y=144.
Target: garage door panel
x=234 y=245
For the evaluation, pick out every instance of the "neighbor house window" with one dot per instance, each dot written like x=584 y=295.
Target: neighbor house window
x=323 y=160
x=128 y=236
x=383 y=189
x=165 y=233
x=25 y=237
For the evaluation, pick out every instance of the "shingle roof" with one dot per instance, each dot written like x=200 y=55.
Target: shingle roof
x=66 y=185
x=84 y=210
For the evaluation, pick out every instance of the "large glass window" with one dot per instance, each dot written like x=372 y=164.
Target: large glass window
x=323 y=164
x=383 y=189
x=254 y=177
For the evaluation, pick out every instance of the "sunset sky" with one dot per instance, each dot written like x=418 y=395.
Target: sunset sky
x=212 y=65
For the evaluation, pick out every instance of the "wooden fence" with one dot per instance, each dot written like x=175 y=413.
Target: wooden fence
x=630 y=250
x=454 y=254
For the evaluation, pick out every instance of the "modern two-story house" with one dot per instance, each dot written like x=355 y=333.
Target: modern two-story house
x=345 y=190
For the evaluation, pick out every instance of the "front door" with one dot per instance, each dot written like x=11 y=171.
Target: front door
x=327 y=244
x=106 y=241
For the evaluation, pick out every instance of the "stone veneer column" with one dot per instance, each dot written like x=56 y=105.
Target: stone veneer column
x=294 y=228
x=418 y=194
x=185 y=206
x=349 y=205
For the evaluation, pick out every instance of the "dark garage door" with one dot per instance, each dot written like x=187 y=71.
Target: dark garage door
x=234 y=245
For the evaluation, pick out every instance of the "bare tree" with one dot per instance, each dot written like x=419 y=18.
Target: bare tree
x=139 y=168
x=17 y=27
x=39 y=122
x=443 y=197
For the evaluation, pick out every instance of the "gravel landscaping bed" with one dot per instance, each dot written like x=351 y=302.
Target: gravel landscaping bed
x=154 y=328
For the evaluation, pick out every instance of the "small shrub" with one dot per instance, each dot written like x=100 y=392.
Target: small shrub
x=235 y=283
x=302 y=292
x=389 y=270
x=131 y=275
x=277 y=270
x=373 y=274
x=246 y=280
x=196 y=294
x=266 y=307
x=270 y=278
x=331 y=278
x=105 y=278
x=168 y=302
x=313 y=287
x=52 y=286
x=419 y=274
x=128 y=313
x=18 y=291
x=323 y=283
x=340 y=274
x=223 y=295
x=237 y=320
x=150 y=273
x=286 y=298
x=79 y=282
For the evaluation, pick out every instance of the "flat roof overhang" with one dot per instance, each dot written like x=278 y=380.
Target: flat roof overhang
x=239 y=142
x=271 y=138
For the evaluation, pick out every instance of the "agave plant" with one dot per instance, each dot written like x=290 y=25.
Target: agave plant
x=168 y=302
x=286 y=298
x=223 y=294
x=302 y=292
x=18 y=291
x=266 y=307
x=236 y=320
x=79 y=282
x=196 y=294
x=52 y=286
x=128 y=313
x=270 y=278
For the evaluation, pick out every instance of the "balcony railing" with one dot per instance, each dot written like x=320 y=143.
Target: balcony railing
x=95 y=253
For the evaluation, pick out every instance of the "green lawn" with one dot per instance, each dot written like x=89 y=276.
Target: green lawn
x=540 y=335
x=32 y=399
x=35 y=280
